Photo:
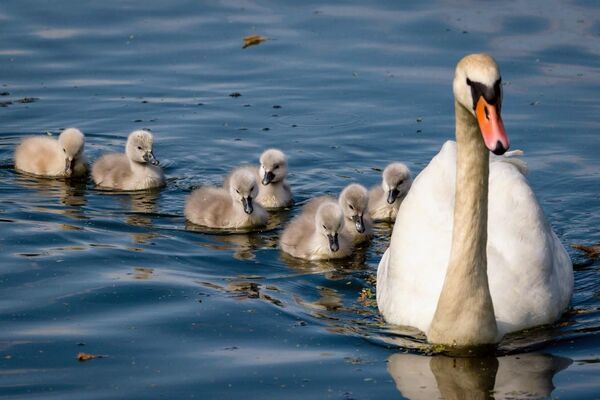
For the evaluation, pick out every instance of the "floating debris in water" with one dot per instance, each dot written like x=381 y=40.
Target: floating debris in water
x=253 y=40
x=590 y=251
x=26 y=100
x=86 y=356
x=4 y=94
x=235 y=94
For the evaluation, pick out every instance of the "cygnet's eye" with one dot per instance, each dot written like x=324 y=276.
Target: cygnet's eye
x=324 y=227
x=237 y=191
x=401 y=182
x=276 y=166
x=252 y=188
x=350 y=206
x=64 y=150
x=139 y=147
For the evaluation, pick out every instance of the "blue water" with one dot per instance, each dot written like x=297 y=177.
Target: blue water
x=182 y=314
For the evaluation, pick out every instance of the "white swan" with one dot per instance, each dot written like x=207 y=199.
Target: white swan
x=463 y=269
x=137 y=169
x=44 y=156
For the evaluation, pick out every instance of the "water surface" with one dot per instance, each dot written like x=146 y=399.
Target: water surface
x=342 y=88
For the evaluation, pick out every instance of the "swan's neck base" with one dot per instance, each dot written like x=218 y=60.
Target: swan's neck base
x=465 y=313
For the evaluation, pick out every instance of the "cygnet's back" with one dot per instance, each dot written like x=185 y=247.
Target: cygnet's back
x=44 y=156
x=317 y=235
x=385 y=199
x=136 y=169
x=231 y=208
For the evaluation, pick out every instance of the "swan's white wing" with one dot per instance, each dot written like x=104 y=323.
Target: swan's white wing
x=529 y=271
x=411 y=274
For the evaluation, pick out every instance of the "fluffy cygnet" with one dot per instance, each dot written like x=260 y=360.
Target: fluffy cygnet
x=353 y=200
x=274 y=192
x=231 y=208
x=44 y=156
x=385 y=200
x=317 y=235
x=137 y=169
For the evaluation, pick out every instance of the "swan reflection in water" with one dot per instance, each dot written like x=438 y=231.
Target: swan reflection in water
x=69 y=193
x=522 y=376
x=243 y=243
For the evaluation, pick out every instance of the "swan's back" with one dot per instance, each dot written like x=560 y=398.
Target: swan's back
x=529 y=271
x=38 y=155
x=296 y=238
x=112 y=170
x=208 y=206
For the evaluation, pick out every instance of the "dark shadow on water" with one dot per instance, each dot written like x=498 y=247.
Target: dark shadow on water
x=526 y=375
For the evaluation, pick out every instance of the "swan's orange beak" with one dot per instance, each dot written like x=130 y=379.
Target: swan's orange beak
x=491 y=126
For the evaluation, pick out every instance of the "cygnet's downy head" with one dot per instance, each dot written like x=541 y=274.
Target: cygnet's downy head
x=396 y=180
x=273 y=166
x=329 y=221
x=477 y=87
x=243 y=189
x=72 y=142
x=139 y=147
x=354 y=201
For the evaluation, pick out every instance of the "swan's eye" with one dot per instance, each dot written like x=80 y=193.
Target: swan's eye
x=139 y=147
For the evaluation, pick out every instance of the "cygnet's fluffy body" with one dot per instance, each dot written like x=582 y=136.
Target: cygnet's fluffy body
x=274 y=192
x=385 y=199
x=317 y=234
x=354 y=201
x=44 y=156
x=137 y=169
x=231 y=208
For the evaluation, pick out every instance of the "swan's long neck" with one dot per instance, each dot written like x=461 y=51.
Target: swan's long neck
x=465 y=313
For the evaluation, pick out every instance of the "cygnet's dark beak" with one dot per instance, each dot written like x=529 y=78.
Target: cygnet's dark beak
x=358 y=223
x=268 y=178
x=149 y=157
x=69 y=163
x=392 y=195
x=334 y=244
x=247 y=202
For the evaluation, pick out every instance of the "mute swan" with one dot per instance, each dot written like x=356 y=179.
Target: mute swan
x=385 y=199
x=354 y=201
x=227 y=209
x=137 y=169
x=274 y=192
x=472 y=256
x=317 y=235
x=45 y=156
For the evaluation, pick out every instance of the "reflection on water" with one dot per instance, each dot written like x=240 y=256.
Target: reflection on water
x=70 y=193
x=524 y=376
x=341 y=88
